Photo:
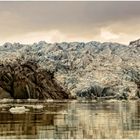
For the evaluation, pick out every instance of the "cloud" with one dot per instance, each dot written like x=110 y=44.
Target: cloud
x=69 y=21
x=51 y=36
x=108 y=35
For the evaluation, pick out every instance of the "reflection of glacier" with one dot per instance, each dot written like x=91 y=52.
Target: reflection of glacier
x=75 y=120
x=99 y=120
x=117 y=120
x=131 y=120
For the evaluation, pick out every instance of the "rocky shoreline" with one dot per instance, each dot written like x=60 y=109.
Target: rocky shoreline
x=77 y=70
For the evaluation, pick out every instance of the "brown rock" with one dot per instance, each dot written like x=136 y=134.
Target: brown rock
x=26 y=80
x=4 y=94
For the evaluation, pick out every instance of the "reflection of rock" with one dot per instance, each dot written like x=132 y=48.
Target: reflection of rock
x=31 y=125
x=24 y=125
x=26 y=80
x=94 y=120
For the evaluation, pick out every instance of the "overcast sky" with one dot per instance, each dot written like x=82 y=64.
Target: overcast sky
x=29 y=22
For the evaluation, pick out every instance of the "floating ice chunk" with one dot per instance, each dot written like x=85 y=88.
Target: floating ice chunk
x=63 y=112
x=49 y=100
x=6 y=100
x=32 y=100
x=112 y=100
x=38 y=106
x=18 y=110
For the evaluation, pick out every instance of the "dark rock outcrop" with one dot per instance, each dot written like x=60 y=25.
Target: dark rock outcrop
x=4 y=94
x=135 y=43
x=95 y=92
x=23 y=80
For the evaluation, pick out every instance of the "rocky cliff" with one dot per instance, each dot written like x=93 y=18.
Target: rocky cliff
x=25 y=80
x=87 y=70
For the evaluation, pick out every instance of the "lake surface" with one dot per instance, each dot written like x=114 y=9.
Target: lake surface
x=71 y=120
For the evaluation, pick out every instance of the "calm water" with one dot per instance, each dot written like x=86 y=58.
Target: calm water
x=73 y=120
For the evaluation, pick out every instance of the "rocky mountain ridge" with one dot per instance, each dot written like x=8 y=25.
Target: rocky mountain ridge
x=85 y=69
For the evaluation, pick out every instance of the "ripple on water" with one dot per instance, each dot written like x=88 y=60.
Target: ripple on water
x=71 y=119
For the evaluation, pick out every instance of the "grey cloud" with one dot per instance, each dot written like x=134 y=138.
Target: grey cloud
x=72 y=17
x=65 y=13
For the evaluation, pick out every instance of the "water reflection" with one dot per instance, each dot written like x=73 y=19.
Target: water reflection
x=74 y=120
